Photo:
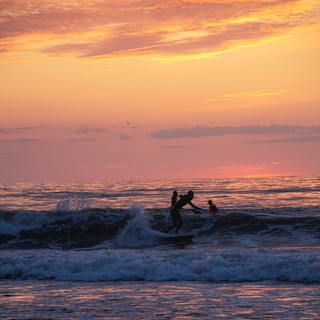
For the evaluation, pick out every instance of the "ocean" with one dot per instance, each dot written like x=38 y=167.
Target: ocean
x=100 y=251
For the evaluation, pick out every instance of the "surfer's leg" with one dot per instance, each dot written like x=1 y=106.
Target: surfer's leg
x=174 y=220
x=179 y=222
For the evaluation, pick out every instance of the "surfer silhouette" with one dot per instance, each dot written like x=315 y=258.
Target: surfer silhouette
x=212 y=207
x=175 y=210
x=174 y=198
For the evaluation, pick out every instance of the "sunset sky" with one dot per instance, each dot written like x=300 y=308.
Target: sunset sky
x=137 y=89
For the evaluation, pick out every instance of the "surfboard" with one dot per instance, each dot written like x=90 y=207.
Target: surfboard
x=187 y=238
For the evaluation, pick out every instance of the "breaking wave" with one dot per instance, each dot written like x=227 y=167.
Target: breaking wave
x=136 y=227
x=155 y=265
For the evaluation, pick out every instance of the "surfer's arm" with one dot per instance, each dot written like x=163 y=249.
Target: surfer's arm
x=195 y=207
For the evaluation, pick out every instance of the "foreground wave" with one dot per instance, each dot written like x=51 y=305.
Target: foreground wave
x=155 y=265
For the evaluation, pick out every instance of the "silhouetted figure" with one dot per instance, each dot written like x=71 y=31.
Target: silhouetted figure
x=212 y=207
x=174 y=198
x=175 y=211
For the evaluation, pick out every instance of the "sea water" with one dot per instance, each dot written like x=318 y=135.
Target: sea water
x=97 y=250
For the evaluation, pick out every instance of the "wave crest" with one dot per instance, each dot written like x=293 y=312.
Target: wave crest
x=183 y=265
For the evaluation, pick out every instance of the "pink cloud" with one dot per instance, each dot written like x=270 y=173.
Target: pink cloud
x=136 y=27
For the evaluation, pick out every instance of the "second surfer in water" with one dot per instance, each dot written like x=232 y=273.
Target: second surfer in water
x=175 y=210
x=212 y=207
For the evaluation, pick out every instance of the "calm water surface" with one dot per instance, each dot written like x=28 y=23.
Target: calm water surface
x=143 y=300
x=273 y=192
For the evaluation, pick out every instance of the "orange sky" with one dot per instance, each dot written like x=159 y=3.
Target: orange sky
x=138 y=89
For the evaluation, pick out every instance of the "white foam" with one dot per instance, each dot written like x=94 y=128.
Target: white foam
x=22 y=221
x=15 y=222
x=138 y=231
x=73 y=202
x=155 y=265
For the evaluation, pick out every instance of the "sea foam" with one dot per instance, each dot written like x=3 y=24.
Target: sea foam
x=229 y=265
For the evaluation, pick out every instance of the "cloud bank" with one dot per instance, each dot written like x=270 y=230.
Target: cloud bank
x=206 y=131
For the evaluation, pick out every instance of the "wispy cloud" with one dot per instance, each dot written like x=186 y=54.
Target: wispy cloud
x=129 y=125
x=175 y=146
x=124 y=137
x=90 y=130
x=206 y=131
x=105 y=28
x=9 y=154
x=248 y=94
x=288 y=140
x=19 y=141
x=19 y=129
x=126 y=125
x=81 y=140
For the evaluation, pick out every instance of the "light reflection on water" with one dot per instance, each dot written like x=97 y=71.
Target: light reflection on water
x=227 y=193
x=141 y=300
